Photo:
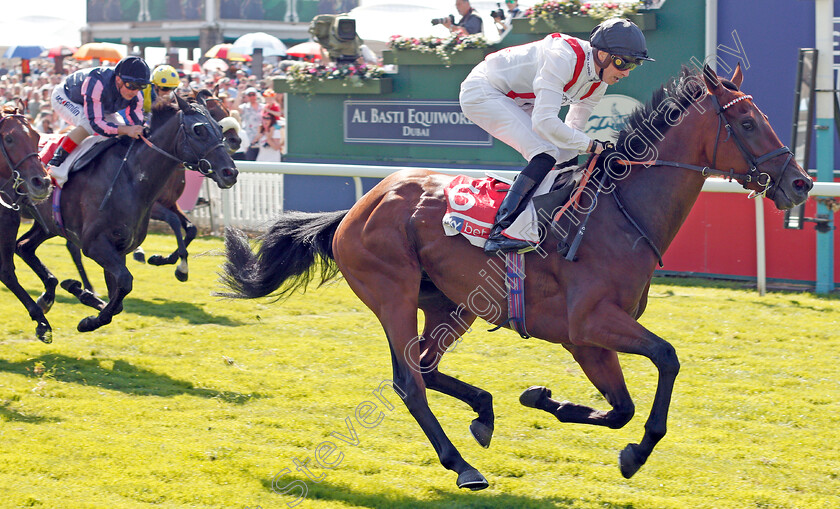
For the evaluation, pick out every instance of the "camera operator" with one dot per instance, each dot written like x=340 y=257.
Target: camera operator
x=470 y=20
x=504 y=19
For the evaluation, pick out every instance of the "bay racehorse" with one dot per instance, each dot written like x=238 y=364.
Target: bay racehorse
x=105 y=208
x=394 y=255
x=23 y=179
x=166 y=207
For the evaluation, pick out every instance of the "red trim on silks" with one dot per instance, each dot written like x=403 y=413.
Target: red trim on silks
x=591 y=89
x=68 y=144
x=581 y=58
x=514 y=95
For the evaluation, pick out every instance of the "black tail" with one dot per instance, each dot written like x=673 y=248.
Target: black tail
x=286 y=259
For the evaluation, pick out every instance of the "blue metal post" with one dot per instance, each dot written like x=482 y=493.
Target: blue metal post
x=825 y=173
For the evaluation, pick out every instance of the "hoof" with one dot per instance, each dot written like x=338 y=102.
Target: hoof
x=181 y=276
x=88 y=324
x=44 y=333
x=72 y=286
x=481 y=432
x=628 y=461
x=472 y=479
x=534 y=395
x=139 y=256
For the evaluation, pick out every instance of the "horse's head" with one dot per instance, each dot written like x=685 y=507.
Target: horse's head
x=201 y=144
x=747 y=143
x=21 y=171
x=216 y=106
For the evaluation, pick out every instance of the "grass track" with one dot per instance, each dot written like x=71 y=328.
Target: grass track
x=190 y=401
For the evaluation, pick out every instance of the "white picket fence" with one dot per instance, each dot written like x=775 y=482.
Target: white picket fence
x=256 y=199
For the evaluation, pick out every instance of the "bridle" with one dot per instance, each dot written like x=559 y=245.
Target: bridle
x=10 y=191
x=752 y=175
x=201 y=164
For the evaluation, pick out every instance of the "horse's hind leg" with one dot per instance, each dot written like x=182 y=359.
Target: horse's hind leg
x=76 y=255
x=392 y=294
x=446 y=322
x=9 y=223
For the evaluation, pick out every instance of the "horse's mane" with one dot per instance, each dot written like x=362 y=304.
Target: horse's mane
x=162 y=112
x=650 y=121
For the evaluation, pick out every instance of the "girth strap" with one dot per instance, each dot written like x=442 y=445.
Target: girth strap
x=515 y=284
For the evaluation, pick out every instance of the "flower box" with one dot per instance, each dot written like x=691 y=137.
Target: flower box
x=338 y=86
x=469 y=56
x=576 y=24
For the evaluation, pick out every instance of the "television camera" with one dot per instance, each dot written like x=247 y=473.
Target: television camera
x=336 y=33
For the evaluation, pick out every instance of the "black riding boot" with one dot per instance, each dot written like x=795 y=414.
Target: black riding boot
x=58 y=157
x=515 y=201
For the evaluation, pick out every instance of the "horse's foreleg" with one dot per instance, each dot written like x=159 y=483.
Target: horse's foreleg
x=25 y=248
x=604 y=371
x=118 y=279
x=161 y=213
x=610 y=327
x=9 y=223
x=446 y=322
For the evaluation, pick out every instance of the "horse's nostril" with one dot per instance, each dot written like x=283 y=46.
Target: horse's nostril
x=803 y=184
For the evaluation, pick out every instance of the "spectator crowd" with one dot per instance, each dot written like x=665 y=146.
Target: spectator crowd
x=252 y=102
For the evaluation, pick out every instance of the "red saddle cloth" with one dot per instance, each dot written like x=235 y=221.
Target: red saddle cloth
x=471 y=206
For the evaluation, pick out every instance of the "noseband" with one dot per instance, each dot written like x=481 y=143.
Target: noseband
x=11 y=188
x=202 y=165
x=752 y=175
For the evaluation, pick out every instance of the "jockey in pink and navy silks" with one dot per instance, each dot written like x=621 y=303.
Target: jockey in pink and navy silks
x=92 y=100
x=516 y=95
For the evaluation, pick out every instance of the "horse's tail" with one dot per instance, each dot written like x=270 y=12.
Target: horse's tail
x=286 y=259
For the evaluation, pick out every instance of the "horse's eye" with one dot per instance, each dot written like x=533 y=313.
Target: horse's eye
x=8 y=139
x=198 y=129
x=748 y=125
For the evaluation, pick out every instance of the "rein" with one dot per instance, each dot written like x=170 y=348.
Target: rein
x=753 y=174
x=202 y=165
x=13 y=194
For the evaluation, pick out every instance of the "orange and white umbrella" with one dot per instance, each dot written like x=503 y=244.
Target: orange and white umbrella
x=100 y=50
x=223 y=51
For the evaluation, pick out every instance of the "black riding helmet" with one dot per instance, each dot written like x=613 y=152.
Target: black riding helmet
x=133 y=69
x=619 y=36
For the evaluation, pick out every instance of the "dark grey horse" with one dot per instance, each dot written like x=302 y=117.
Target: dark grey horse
x=106 y=207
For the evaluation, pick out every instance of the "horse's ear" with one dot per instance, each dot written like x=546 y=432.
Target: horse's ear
x=21 y=106
x=182 y=104
x=711 y=79
x=737 y=76
x=216 y=90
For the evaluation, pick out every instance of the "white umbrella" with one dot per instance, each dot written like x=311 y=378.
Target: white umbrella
x=271 y=46
x=215 y=64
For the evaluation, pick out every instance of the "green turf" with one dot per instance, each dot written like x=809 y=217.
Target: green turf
x=186 y=400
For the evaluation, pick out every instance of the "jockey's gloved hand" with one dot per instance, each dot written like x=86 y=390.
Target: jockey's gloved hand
x=598 y=146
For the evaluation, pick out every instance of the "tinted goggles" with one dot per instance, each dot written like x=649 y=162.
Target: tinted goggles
x=133 y=85
x=625 y=63
x=166 y=89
